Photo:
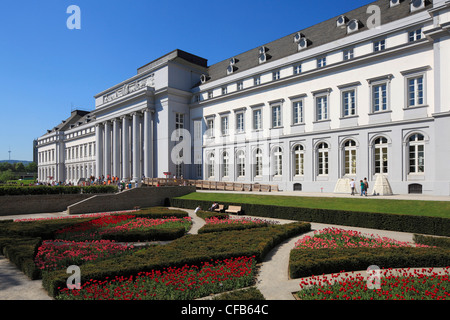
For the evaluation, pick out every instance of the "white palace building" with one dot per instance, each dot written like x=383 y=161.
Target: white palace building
x=362 y=95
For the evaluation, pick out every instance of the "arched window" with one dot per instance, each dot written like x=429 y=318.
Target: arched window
x=416 y=147
x=225 y=164
x=350 y=157
x=210 y=166
x=299 y=160
x=277 y=157
x=258 y=162
x=322 y=159
x=240 y=163
x=380 y=155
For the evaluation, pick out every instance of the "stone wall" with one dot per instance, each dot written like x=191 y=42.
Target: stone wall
x=29 y=204
x=128 y=199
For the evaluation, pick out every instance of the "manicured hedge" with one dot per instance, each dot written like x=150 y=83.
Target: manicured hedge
x=381 y=221
x=146 y=235
x=40 y=190
x=432 y=241
x=190 y=250
x=21 y=251
x=307 y=262
x=212 y=214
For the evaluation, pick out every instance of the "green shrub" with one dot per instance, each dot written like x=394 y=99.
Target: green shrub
x=146 y=235
x=212 y=214
x=307 y=262
x=432 y=241
x=41 y=190
x=21 y=252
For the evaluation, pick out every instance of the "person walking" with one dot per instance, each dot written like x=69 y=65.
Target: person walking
x=361 y=184
x=366 y=186
x=352 y=186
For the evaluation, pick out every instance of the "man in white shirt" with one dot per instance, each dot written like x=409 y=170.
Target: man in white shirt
x=352 y=186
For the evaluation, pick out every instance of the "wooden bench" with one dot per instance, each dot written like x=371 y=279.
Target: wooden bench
x=220 y=208
x=234 y=209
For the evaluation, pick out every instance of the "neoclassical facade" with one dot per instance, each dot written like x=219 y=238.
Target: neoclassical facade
x=357 y=96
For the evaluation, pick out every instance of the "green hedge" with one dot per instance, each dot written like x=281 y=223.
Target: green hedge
x=21 y=251
x=40 y=190
x=382 y=221
x=212 y=214
x=146 y=235
x=190 y=250
x=432 y=241
x=307 y=262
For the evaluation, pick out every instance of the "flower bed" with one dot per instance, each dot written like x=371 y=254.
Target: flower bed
x=401 y=284
x=216 y=224
x=117 y=224
x=59 y=254
x=182 y=283
x=339 y=238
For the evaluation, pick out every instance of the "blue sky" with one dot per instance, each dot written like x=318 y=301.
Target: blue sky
x=46 y=69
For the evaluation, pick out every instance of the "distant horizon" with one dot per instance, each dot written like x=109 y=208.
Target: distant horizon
x=16 y=161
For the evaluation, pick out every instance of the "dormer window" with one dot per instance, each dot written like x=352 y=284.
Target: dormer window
x=394 y=3
x=416 y=5
x=353 y=26
x=231 y=67
x=203 y=78
x=301 y=40
x=262 y=55
x=341 y=21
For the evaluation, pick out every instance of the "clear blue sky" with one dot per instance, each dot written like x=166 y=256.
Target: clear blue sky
x=47 y=69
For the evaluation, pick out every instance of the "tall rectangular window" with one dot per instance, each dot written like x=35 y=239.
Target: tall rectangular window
x=297 y=112
x=240 y=85
x=297 y=69
x=240 y=122
x=276 y=116
x=321 y=108
x=210 y=127
x=348 y=103
x=348 y=54
x=379 y=97
x=257 y=119
x=415 y=91
x=179 y=123
x=321 y=62
x=257 y=80
x=276 y=75
x=224 y=125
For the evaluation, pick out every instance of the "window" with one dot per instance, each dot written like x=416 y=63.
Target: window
x=297 y=69
x=416 y=154
x=276 y=116
x=224 y=90
x=321 y=62
x=276 y=75
x=210 y=165
x=415 y=35
x=179 y=123
x=381 y=155
x=240 y=122
x=322 y=159
x=379 y=97
x=224 y=125
x=210 y=95
x=379 y=45
x=257 y=81
x=299 y=157
x=179 y=164
x=415 y=91
x=210 y=127
x=258 y=162
x=348 y=54
x=297 y=112
x=277 y=161
x=257 y=119
x=240 y=163
x=240 y=85
x=225 y=164
x=321 y=108
x=349 y=103
x=350 y=157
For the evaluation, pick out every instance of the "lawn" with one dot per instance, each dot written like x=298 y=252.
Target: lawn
x=411 y=207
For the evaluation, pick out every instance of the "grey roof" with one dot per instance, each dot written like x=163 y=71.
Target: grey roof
x=76 y=116
x=318 y=34
x=174 y=55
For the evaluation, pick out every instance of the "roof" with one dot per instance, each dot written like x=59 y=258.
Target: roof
x=319 y=34
x=76 y=116
x=174 y=55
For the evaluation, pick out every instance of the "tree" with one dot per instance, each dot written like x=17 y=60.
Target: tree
x=7 y=175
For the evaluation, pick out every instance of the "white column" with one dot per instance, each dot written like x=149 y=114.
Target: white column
x=99 y=150
x=116 y=149
x=107 y=149
x=125 y=148
x=148 y=143
x=136 y=147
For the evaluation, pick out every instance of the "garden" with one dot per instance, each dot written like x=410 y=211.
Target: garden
x=150 y=254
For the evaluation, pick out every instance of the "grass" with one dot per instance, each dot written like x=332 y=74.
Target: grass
x=411 y=207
